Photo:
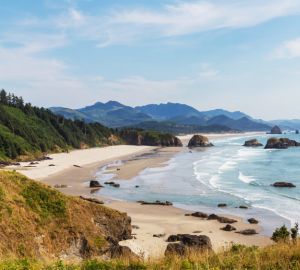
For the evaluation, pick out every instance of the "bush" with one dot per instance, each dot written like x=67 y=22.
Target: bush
x=280 y=234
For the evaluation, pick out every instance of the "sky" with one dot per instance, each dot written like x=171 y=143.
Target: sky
x=216 y=54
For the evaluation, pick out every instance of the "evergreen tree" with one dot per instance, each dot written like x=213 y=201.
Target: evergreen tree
x=3 y=97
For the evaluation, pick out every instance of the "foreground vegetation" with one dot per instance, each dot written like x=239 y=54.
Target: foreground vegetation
x=284 y=255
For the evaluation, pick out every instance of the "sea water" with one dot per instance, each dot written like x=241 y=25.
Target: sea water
x=226 y=173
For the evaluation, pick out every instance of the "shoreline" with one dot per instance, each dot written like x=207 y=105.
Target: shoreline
x=156 y=219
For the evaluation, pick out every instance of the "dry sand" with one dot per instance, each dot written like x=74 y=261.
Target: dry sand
x=151 y=219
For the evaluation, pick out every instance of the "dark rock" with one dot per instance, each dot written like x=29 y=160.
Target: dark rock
x=118 y=169
x=243 y=207
x=275 y=143
x=222 y=204
x=176 y=248
x=199 y=141
x=188 y=215
x=115 y=185
x=159 y=235
x=123 y=252
x=94 y=183
x=135 y=227
x=109 y=183
x=252 y=142
x=226 y=220
x=253 y=221
x=91 y=200
x=156 y=203
x=276 y=130
x=248 y=232
x=77 y=166
x=52 y=165
x=31 y=163
x=199 y=214
x=213 y=217
x=289 y=143
x=175 y=237
x=228 y=228
x=189 y=242
x=60 y=186
x=283 y=184
x=297 y=131
x=197 y=232
x=136 y=186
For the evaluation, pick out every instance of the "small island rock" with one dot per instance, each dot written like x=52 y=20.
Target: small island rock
x=222 y=204
x=252 y=142
x=275 y=143
x=199 y=141
x=283 y=184
x=276 y=130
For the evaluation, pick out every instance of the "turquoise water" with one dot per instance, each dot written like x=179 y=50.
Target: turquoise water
x=226 y=173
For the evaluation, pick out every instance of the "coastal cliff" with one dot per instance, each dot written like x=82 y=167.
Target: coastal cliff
x=37 y=221
x=151 y=138
x=199 y=141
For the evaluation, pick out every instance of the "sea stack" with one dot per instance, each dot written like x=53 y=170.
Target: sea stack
x=275 y=143
x=252 y=142
x=297 y=131
x=199 y=141
x=276 y=130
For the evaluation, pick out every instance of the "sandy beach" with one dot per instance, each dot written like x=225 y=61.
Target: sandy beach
x=151 y=219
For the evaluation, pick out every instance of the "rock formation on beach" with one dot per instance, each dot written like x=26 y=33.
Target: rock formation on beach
x=150 y=138
x=283 y=184
x=282 y=143
x=276 y=130
x=252 y=142
x=192 y=243
x=199 y=141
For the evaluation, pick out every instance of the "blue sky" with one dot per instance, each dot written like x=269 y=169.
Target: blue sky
x=233 y=54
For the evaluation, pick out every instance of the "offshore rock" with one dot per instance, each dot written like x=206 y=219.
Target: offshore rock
x=199 y=141
x=222 y=204
x=276 y=130
x=289 y=143
x=252 y=142
x=297 y=131
x=283 y=184
x=275 y=143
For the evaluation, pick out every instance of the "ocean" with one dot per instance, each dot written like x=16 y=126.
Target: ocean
x=226 y=173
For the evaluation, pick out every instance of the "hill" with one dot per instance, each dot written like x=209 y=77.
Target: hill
x=177 y=129
x=110 y=114
x=243 y=124
x=234 y=115
x=193 y=120
x=169 y=110
x=39 y=222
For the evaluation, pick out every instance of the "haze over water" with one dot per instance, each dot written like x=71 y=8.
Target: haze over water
x=226 y=173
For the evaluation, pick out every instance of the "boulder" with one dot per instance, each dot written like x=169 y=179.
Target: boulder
x=283 y=184
x=177 y=249
x=51 y=165
x=275 y=143
x=213 y=217
x=60 y=186
x=175 y=237
x=199 y=141
x=252 y=221
x=109 y=183
x=248 y=232
x=156 y=203
x=228 y=228
x=197 y=232
x=289 y=143
x=243 y=207
x=226 y=220
x=252 y=142
x=201 y=242
x=123 y=252
x=276 y=130
x=94 y=183
x=115 y=185
x=222 y=204
x=199 y=214
x=137 y=186
x=159 y=235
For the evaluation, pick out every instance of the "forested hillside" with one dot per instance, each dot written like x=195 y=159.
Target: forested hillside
x=26 y=130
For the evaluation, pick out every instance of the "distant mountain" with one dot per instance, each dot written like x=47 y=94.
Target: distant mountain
x=110 y=114
x=177 y=129
x=234 y=115
x=243 y=124
x=169 y=110
x=193 y=120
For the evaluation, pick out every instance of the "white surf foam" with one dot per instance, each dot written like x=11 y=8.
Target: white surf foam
x=246 y=179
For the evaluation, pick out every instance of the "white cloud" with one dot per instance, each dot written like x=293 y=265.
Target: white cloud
x=182 y=18
x=289 y=49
